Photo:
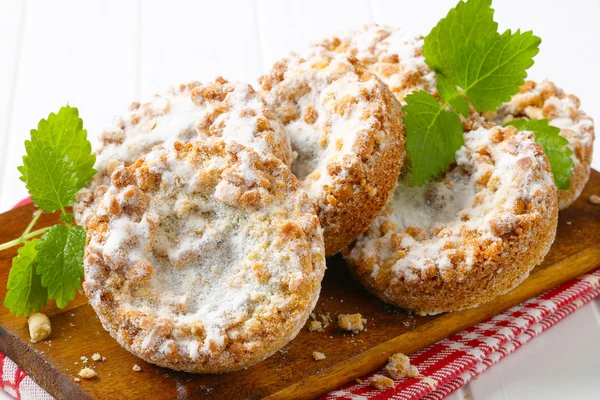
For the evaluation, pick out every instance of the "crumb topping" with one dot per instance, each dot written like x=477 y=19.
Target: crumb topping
x=394 y=54
x=199 y=252
x=478 y=200
x=546 y=101
x=218 y=110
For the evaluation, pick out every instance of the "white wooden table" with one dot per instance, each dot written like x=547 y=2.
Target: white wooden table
x=100 y=56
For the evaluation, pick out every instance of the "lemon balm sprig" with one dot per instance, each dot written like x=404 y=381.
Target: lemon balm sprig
x=58 y=162
x=475 y=65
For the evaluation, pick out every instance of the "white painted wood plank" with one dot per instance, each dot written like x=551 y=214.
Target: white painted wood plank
x=11 y=18
x=287 y=26
x=81 y=53
x=561 y=363
x=190 y=40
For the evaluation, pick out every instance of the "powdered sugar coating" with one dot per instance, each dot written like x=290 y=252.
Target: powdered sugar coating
x=545 y=101
x=204 y=257
x=468 y=236
x=218 y=110
x=346 y=133
x=395 y=55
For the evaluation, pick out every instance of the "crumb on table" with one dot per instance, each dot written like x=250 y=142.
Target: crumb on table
x=595 y=199
x=351 y=322
x=381 y=382
x=96 y=357
x=76 y=379
x=399 y=366
x=39 y=327
x=136 y=368
x=326 y=319
x=315 y=326
x=87 y=373
x=318 y=356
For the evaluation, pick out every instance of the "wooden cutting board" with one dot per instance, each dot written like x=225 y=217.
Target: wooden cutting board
x=292 y=372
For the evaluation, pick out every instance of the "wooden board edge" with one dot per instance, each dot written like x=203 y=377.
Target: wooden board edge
x=356 y=367
x=42 y=372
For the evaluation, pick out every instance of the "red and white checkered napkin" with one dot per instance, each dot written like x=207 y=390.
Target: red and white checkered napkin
x=452 y=362
x=446 y=365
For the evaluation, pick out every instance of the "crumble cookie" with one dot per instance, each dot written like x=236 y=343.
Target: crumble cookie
x=545 y=101
x=204 y=257
x=346 y=131
x=216 y=110
x=395 y=55
x=468 y=236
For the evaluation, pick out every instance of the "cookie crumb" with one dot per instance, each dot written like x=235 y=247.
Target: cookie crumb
x=318 y=356
x=381 y=382
x=39 y=327
x=87 y=373
x=315 y=326
x=351 y=322
x=595 y=199
x=96 y=357
x=326 y=320
x=136 y=368
x=76 y=379
x=399 y=367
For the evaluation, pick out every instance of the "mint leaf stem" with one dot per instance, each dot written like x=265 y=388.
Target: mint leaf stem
x=36 y=216
x=23 y=238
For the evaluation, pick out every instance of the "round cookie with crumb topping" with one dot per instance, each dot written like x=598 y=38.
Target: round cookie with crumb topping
x=545 y=101
x=395 y=55
x=218 y=110
x=469 y=236
x=347 y=135
x=204 y=257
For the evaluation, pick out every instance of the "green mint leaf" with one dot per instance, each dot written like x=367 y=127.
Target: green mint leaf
x=66 y=218
x=491 y=71
x=449 y=93
x=555 y=146
x=467 y=22
x=25 y=291
x=60 y=261
x=64 y=131
x=49 y=176
x=433 y=135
